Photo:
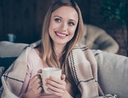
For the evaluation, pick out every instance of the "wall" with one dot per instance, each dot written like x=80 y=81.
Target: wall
x=24 y=18
x=113 y=28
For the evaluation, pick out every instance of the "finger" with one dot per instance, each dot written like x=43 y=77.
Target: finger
x=37 y=86
x=36 y=79
x=61 y=84
x=63 y=77
x=59 y=81
x=55 y=89
x=55 y=93
x=33 y=79
x=37 y=91
x=39 y=71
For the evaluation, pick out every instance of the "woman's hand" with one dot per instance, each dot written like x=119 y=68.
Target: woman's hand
x=57 y=86
x=35 y=86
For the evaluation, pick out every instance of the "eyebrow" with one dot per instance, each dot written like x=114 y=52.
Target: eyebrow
x=57 y=16
x=72 y=20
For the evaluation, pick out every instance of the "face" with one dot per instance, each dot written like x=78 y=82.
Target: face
x=63 y=24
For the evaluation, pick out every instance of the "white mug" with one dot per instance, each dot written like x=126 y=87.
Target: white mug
x=11 y=37
x=46 y=72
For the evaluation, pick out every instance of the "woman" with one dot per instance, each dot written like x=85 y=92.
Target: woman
x=62 y=29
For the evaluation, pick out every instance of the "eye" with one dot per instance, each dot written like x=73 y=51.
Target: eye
x=71 y=23
x=57 y=19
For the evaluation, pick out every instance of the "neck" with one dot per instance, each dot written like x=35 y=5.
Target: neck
x=59 y=50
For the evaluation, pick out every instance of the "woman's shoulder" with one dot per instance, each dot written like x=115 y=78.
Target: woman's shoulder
x=33 y=55
x=33 y=60
x=81 y=47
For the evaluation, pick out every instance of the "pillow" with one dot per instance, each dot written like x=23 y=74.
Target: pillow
x=9 y=49
x=113 y=73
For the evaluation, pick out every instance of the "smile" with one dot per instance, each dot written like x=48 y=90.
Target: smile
x=61 y=34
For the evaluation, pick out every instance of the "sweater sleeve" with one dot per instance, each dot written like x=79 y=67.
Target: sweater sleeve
x=27 y=78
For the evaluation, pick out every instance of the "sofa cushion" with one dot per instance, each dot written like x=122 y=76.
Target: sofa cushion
x=9 y=49
x=8 y=53
x=113 y=73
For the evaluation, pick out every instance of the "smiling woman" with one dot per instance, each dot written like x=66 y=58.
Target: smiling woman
x=63 y=24
x=58 y=48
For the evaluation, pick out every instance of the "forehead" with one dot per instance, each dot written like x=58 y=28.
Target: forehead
x=65 y=11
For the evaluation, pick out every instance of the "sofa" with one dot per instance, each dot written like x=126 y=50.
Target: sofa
x=97 y=38
x=112 y=68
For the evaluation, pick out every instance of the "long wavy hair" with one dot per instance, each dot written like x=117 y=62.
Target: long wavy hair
x=48 y=55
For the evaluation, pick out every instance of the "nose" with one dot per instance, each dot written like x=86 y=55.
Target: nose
x=64 y=26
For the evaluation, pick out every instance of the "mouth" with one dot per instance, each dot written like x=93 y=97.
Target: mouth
x=61 y=34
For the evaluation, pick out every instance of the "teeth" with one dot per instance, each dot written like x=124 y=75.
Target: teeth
x=60 y=34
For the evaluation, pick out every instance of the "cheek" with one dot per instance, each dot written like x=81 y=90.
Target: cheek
x=73 y=31
x=51 y=25
x=51 y=28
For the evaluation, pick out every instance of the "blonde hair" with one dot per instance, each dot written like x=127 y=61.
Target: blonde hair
x=49 y=58
x=48 y=55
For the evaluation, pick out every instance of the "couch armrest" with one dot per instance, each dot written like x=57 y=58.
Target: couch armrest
x=112 y=73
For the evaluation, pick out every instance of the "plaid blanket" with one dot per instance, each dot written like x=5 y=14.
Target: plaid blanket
x=81 y=62
x=84 y=71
